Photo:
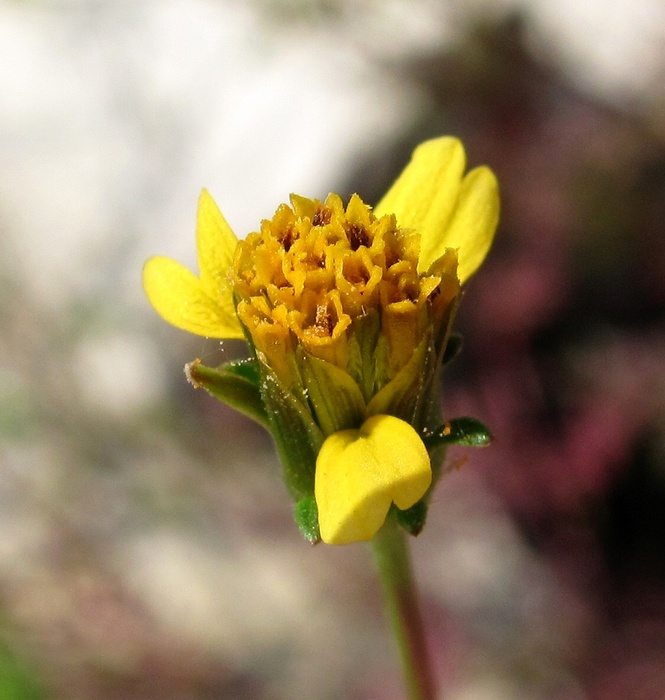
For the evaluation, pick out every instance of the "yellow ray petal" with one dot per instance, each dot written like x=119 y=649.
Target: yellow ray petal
x=215 y=246
x=424 y=196
x=448 y=211
x=359 y=473
x=178 y=297
x=472 y=226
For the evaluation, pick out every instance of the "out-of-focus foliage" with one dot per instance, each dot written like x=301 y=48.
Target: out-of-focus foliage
x=17 y=679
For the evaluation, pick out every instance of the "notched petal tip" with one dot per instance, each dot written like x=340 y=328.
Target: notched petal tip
x=200 y=305
x=447 y=208
x=359 y=473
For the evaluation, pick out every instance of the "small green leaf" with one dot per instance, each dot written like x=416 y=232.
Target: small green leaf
x=235 y=383
x=306 y=515
x=468 y=432
x=412 y=519
x=453 y=348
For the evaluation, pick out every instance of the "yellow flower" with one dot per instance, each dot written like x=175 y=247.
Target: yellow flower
x=347 y=311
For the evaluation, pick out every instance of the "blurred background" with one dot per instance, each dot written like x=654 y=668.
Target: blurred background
x=147 y=548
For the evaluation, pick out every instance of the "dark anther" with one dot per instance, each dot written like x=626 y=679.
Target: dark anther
x=322 y=217
x=287 y=239
x=357 y=236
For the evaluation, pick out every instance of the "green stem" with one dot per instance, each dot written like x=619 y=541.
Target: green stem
x=393 y=563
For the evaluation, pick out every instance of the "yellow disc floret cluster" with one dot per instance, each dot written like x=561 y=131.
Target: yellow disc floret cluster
x=316 y=267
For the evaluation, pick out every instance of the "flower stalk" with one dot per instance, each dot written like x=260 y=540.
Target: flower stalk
x=393 y=563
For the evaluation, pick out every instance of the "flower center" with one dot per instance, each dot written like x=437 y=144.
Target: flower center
x=315 y=268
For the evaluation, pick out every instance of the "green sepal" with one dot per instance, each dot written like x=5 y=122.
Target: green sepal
x=235 y=383
x=365 y=352
x=297 y=437
x=400 y=396
x=306 y=515
x=468 y=432
x=453 y=348
x=412 y=519
x=335 y=398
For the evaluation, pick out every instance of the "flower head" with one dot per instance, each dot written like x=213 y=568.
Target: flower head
x=347 y=312
x=316 y=268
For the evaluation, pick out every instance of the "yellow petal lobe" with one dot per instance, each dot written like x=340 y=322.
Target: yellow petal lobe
x=472 y=226
x=215 y=245
x=178 y=297
x=359 y=473
x=201 y=305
